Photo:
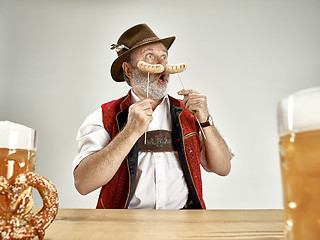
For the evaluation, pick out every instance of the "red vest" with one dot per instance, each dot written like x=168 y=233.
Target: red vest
x=185 y=136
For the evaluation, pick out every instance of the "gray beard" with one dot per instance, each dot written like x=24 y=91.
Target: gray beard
x=155 y=92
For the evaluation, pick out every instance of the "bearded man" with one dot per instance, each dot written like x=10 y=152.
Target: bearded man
x=146 y=152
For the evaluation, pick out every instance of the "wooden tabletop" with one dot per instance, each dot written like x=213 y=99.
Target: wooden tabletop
x=167 y=224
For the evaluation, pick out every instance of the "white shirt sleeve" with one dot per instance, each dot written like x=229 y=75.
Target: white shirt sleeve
x=91 y=137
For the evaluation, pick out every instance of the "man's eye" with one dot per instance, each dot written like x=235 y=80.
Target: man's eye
x=149 y=56
x=164 y=57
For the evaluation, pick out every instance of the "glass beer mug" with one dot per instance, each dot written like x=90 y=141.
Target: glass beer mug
x=299 y=146
x=17 y=177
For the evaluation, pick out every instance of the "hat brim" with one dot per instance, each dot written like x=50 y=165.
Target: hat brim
x=116 y=67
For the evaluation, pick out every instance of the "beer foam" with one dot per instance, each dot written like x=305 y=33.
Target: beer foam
x=299 y=112
x=14 y=136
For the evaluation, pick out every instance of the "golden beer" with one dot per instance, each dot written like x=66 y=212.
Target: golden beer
x=300 y=168
x=12 y=163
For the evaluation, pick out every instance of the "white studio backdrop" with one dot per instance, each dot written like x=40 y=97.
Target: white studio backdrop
x=244 y=55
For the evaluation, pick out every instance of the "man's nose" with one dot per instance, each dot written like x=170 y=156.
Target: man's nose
x=162 y=61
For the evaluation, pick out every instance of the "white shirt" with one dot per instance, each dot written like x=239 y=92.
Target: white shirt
x=160 y=182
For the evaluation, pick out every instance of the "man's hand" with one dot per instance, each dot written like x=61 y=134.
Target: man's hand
x=196 y=103
x=140 y=115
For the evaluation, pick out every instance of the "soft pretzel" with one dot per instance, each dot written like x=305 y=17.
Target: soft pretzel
x=20 y=223
x=175 y=68
x=151 y=68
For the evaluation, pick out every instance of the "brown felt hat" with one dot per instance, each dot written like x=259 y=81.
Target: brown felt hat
x=131 y=39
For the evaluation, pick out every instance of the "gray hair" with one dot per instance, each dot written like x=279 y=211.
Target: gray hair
x=129 y=60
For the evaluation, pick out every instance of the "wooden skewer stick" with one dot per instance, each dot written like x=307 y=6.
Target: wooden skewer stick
x=145 y=134
x=195 y=116
x=180 y=80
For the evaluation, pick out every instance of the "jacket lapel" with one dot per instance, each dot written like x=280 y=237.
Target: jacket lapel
x=132 y=158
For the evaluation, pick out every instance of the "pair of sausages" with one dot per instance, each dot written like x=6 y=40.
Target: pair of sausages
x=158 y=68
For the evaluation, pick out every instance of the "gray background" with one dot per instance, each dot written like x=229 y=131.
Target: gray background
x=244 y=55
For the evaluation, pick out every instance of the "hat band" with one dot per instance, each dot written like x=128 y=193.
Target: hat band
x=144 y=41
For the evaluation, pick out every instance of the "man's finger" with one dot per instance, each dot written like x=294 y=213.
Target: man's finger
x=186 y=92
